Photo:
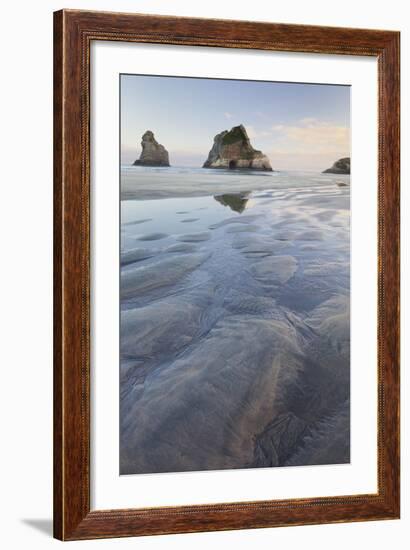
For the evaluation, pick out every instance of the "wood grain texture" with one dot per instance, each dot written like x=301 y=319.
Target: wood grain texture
x=58 y=279
x=73 y=33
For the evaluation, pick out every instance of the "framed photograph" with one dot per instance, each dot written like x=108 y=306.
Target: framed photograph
x=226 y=275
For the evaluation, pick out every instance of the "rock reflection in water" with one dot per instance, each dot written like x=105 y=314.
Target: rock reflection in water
x=236 y=202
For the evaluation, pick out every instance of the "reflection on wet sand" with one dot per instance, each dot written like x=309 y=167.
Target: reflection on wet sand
x=235 y=335
x=236 y=202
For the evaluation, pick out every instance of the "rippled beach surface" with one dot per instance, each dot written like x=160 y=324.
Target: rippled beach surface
x=235 y=322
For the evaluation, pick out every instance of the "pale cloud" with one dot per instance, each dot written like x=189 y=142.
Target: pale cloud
x=228 y=115
x=310 y=143
x=311 y=135
x=251 y=131
x=308 y=120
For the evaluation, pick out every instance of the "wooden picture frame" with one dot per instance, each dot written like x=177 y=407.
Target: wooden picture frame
x=74 y=32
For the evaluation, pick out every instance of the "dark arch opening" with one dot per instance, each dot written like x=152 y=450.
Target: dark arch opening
x=232 y=164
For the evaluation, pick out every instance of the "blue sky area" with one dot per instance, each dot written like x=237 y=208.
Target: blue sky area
x=299 y=126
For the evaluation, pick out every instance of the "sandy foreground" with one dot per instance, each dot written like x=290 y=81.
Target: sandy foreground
x=235 y=323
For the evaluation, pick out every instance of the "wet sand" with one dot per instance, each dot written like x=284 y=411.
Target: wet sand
x=235 y=334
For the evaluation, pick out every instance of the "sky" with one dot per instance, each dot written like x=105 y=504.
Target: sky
x=298 y=126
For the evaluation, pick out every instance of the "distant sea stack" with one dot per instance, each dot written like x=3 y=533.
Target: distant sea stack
x=233 y=150
x=153 y=154
x=341 y=166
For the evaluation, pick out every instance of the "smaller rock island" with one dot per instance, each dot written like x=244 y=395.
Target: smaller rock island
x=153 y=153
x=233 y=150
x=341 y=166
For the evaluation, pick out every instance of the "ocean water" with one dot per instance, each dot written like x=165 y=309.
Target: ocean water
x=235 y=323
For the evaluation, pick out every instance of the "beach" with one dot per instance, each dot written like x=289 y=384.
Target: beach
x=235 y=319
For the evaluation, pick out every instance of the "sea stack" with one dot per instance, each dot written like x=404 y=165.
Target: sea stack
x=233 y=150
x=153 y=153
x=341 y=166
